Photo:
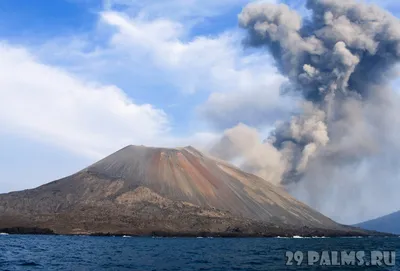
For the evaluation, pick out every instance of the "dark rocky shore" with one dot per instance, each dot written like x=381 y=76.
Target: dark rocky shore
x=228 y=234
x=21 y=230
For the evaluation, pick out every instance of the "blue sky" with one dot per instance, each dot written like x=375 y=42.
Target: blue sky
x=80 y=79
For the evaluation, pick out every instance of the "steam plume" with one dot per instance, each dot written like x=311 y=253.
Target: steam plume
x=341 y=60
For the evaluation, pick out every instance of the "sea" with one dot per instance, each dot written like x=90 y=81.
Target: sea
x=52 y=252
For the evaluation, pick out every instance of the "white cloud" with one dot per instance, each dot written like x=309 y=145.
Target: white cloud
x=177 y=9
x=161 y=55
x=190 y=65
x=49 y=104
x=243 y=87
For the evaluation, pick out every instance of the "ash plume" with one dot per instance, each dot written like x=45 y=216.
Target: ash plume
x=341 y=60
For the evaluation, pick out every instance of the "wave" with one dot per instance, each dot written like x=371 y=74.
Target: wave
x=300 y=237
x=3 y=233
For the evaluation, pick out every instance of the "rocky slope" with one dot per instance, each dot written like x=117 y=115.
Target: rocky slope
x=140 y=190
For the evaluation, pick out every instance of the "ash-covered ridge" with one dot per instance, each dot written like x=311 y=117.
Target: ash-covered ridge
x=187 y=175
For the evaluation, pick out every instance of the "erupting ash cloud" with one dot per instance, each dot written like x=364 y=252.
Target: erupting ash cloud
x=341 y=60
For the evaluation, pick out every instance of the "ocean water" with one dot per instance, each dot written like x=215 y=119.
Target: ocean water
x=35 y=252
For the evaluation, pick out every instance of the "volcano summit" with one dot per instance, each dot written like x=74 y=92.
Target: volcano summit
x=156 y=191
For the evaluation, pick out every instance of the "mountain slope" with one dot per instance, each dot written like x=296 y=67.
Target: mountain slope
x=188 y=175
x=141 y=190
x=388 y=223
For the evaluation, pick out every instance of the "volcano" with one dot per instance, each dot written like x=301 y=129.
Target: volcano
x=157 y=191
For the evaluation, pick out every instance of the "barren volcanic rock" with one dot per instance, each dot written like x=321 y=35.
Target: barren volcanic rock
x=142 y=190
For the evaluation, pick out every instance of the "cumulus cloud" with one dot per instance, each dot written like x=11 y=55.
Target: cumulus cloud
x=211 y=73
x=216 y=65
x=49 y=104
x=189 y=66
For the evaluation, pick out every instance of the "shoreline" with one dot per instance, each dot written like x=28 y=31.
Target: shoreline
x=160 y=234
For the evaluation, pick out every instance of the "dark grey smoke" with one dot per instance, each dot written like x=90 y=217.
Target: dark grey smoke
x=342 y=61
